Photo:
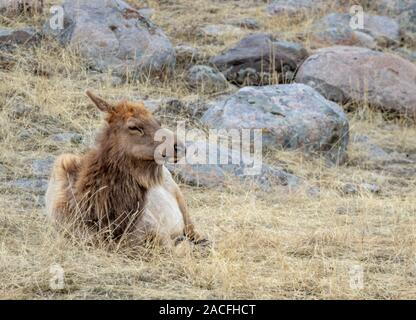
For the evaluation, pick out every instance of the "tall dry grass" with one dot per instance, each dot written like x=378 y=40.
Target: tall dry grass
x=266 y=244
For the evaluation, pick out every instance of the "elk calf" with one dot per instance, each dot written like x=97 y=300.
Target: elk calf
x=120 y=187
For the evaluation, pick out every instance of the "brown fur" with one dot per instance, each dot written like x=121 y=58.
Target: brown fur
x=108 y=186
x=107 y=189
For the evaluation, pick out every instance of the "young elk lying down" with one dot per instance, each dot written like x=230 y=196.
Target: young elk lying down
x=121 y=187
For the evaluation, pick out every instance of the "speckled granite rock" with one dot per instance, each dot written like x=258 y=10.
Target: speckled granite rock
x=115 y=37
x=344 y=74
x=256 y=59
x=237 y=163
x=291 y=117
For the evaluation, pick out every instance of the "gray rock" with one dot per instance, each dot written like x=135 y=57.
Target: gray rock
x=248 y=23
x=36 y=186
x=383 y=29
x=353 y=189
x=174 y=107
x=147 y=12
x=313 y=192
x=370 y=187
x=344 y=74
x=257 y=59
x=237 y=164
x=67 y=137
x=407 y=54
x=206 y=79
x=403 y=10
x=292 y=8
x=27 y=134
x=3 y=171
x=109 y=80
x=21 y=110
x=293 y=50
x=370 y=152
x=13 y=37
x=217 y=30
x=115 y=37
x=407 y=18
x=199 y=175
x=41 y=168
x=335 y=29
x=349 y=189
x=186 y=54
x=291 y=116
x=363 y=39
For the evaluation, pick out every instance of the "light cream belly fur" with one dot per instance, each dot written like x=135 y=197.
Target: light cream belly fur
x=162 y=215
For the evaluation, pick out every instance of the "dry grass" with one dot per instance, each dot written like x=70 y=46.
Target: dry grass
x=266 y=244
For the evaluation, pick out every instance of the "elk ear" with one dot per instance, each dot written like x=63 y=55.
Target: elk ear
x=101 y=104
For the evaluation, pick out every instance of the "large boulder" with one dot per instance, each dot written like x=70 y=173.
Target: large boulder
x=198 y=170
x=115 y=37
x=292 y=116
x=352 y=74
x=335 y=29
x=258 y=59
x=403 y=10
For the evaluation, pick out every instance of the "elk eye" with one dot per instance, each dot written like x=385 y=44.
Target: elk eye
x=137 y=130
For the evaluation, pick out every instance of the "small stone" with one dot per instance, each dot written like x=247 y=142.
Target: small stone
x=349 y=189
x=116 y=81
x=292 y=8
x=353 y=189
x=21 y=110
x=105 y=79
x=147 y=12
x=37 y=186
x=67 y=137
x=370 y=187
x=186 y=54
x=248 y=23
x=3 y=170
x=27 y=134
x=314 y=192
x=217 y=30
x=42 y=167
x=206 y=79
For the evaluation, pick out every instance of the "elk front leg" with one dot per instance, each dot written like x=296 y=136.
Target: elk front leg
x=189 y=231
